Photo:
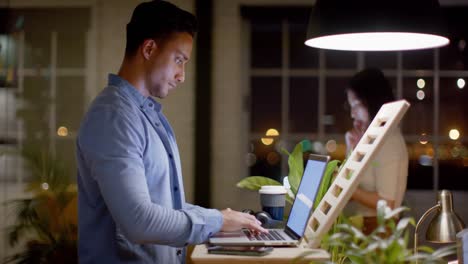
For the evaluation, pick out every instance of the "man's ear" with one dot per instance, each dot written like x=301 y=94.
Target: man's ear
x=149 y=47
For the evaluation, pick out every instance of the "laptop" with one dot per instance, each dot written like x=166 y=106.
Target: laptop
x=298 y=217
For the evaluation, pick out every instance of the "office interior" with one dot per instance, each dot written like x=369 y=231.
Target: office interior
x=249 y=72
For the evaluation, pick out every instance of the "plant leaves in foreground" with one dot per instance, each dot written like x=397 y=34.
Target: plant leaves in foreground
x=254 y=183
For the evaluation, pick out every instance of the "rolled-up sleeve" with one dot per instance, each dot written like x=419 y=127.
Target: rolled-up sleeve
x=114 y=156
x=205 y=222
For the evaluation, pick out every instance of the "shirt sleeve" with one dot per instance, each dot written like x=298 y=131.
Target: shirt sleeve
x=112 y=144
x=205 y=222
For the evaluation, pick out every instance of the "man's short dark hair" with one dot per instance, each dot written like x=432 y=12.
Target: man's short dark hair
x=372 y=89
x=157 y=20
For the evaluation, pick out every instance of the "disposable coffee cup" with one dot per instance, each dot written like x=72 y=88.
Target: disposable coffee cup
x=462 y=246
x=273 y=200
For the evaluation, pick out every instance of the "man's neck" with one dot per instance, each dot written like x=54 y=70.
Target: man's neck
x=133 y=74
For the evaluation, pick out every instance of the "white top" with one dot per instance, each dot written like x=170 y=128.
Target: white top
x=387 y=175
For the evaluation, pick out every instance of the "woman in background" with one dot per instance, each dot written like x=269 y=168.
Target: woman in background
x=387 y=174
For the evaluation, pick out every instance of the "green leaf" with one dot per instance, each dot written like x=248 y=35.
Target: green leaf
x=444 y=251
x=356 y=259
x=395 y=212
x=285 y=152
x=394 y=253
x=381 y=211
x=326 y=181
x=426 y=249
x=379 y=246
x=296 y=167
x=404 y=223
x=254 y=183
x=418 y=257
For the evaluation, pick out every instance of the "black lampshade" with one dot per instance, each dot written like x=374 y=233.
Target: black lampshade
x=375 y=25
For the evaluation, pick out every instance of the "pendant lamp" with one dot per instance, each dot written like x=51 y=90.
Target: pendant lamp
x=373 y=25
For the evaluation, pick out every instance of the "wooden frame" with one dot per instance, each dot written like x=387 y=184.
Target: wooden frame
x=321 y=220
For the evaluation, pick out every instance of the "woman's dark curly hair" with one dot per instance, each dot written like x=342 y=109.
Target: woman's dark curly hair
x=372 y=89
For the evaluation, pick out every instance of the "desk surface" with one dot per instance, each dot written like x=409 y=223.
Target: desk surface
x=278 y=255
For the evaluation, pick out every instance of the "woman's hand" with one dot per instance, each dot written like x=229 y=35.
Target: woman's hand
x=353 y=136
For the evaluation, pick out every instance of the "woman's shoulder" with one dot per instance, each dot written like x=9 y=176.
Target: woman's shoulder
x=393 y=146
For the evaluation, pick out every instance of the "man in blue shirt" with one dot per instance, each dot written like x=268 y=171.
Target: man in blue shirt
x=131 y=200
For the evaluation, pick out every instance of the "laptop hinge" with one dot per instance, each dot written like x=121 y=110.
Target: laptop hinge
x=291 y=233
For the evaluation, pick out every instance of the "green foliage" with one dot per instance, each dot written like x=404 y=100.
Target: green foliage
x=45 y=167
x=388 y=243
x=330 y=172
x=47 y=221
x=296 y=166
x=345 y=242
x=296 y=170
x=254 y=183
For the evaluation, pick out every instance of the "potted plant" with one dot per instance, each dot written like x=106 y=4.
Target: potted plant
x=345 y=241
x=47 y=220
x=388 y=243
x=296 y=170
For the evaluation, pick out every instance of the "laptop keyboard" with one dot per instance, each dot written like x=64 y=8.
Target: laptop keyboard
x=271 y=236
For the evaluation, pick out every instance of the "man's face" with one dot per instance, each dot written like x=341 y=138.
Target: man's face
x=166 y=66
x=359 y=112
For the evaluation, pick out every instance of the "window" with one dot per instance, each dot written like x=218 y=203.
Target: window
x=42 y=84
x=299 y=91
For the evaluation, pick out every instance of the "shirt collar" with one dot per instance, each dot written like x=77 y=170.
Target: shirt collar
x=124 y=86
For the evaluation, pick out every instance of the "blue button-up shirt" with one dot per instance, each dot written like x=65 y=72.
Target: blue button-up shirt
x=131 y=202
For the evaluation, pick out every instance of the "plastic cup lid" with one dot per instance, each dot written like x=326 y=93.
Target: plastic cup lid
x=272 y=189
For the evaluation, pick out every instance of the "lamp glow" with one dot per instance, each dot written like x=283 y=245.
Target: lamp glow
x=272 y=132
x=267 y=141
x=62 y=131
x=378 y=41
x=331 y=146
x=369 y=25
x=421 y=83
x=461 y=83
x=420 y=95
x=454 y=134
x=45 y=186
x=423 y=139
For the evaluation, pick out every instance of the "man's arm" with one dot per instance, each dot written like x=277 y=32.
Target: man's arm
x=234 y=220
x=114 y=156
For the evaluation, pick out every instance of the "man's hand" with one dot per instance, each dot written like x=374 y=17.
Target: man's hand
x=234 y=220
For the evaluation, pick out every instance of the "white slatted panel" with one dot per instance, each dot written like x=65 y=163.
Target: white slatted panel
x=388 y=118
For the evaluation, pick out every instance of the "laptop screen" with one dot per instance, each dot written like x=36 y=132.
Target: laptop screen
x=308 y=189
